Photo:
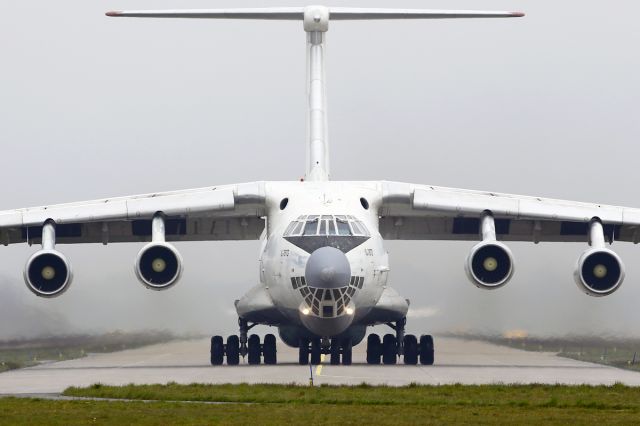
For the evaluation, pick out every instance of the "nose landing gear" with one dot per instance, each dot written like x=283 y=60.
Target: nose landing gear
x=335 y=348
x=406 y=345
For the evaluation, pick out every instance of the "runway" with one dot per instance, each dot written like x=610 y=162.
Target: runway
x=457 y=361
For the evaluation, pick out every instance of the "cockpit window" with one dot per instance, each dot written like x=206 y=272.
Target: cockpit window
x=298 y=228
x=356 y=228
x=331 y=228
x=343 y=227
x=311 y=228
x=325 y=225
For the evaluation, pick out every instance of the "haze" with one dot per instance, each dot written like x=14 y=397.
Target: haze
x=92 y=107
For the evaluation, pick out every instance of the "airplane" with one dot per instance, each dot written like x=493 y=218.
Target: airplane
x=323 y=267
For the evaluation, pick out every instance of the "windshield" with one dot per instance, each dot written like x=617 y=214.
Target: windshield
x=326 y=225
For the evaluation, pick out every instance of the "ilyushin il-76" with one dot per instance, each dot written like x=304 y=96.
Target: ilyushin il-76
x=323 y=267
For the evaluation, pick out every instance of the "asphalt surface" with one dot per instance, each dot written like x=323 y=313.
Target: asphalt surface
x=457 y=361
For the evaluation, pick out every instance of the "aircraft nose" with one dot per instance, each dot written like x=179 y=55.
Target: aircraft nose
x=327 y=267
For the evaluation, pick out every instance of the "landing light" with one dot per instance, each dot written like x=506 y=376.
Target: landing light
x=349 y=311
x=305 y=311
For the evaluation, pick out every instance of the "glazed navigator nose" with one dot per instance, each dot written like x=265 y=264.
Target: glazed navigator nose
x=328 y=267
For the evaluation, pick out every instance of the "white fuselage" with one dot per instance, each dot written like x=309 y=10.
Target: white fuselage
x=282 y=261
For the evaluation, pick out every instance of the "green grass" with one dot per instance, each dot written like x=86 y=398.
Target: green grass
x=24 y=353
x=34 y=412
x=333 y=405
x=617 y=397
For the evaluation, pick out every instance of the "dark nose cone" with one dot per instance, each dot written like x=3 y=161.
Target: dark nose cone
x=327 y=267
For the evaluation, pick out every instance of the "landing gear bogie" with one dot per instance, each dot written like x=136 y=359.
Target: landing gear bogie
x=244 y=346
x=392 y=346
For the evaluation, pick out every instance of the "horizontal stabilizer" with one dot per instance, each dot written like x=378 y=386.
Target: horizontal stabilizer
x=297 y=13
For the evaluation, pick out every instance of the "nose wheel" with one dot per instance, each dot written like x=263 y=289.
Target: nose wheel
x=310 y=351
x=408 y=346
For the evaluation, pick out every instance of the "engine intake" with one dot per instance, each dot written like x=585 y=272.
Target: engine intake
x=599 y=272
x=48 y=273
x=489 y=265
x=158 y=265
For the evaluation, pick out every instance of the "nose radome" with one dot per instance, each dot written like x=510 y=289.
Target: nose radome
x=328 y=267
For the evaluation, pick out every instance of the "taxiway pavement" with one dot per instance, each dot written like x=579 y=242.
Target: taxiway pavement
x=457 y=361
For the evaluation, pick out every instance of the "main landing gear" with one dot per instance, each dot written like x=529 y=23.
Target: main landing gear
x=407 y=346
x=335 y=348
x=250 y=347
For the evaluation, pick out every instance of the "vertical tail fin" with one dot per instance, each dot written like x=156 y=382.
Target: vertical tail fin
x=316 y=24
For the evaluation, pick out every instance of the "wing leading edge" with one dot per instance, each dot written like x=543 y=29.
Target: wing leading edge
x=230 y=212
x=421 y=212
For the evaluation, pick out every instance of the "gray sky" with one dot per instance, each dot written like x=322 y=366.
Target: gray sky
x=545 y=105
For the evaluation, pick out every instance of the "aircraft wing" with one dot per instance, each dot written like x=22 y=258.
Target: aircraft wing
x=421 y=212
x=230 y=212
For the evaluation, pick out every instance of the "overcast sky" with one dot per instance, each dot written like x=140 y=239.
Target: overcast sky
x=545 y=105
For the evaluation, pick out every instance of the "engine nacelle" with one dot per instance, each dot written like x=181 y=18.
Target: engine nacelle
x=599 y=272
x=489 y=265
x=158 y=265
x=48 y=273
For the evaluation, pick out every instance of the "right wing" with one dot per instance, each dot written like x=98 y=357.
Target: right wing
x=229 y=212
x=424 y=212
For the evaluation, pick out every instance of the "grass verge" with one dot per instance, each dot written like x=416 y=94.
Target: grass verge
x=333 y=405
x=617 y=397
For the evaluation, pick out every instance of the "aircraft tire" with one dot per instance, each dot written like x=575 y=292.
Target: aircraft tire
x=347 y=351
x=335 y=351
x=269 y=350
x=217 y=350
x=254 y=350
x=373 y=349
x=233 y=350
x=389 y=349
x=410 y=349
x=426 y=350
x=303 y=351
x=316 y=352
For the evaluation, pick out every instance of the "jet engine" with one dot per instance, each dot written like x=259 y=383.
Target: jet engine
x=48 y=273
x=599 y=272
x=489 y=265
x=158 y=265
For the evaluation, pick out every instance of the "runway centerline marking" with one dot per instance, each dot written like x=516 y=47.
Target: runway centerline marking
x=319 y=367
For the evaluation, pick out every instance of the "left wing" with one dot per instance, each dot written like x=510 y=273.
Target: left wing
x=422 y=212
x=229 y=212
